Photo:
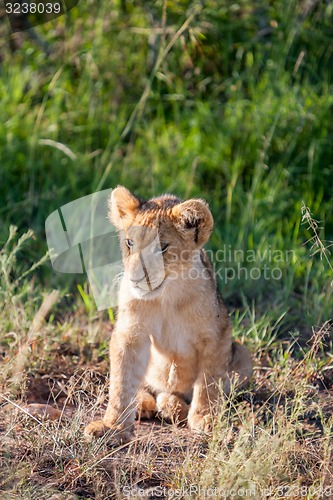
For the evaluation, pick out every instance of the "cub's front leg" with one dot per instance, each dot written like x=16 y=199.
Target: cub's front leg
x=206 y=390
x=204 y=403
x=129 y=355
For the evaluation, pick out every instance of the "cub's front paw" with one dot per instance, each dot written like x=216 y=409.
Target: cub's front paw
x=200 y=423
x=116 y=434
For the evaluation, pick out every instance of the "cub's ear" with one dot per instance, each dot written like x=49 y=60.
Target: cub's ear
x=194 y=219
x=122 y=207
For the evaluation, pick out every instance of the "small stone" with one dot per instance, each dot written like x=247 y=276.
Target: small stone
x=43 y=411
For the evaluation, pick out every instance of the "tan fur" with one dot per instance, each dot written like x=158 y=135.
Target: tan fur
x=172 y=343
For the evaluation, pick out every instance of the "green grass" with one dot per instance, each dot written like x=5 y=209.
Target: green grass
x=228 y=102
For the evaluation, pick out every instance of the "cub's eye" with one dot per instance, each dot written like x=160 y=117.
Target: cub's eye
x=161 y=248
x=164 y=247
x=129 y=243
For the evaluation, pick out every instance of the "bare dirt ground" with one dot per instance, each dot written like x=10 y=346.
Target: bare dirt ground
x=43 y=453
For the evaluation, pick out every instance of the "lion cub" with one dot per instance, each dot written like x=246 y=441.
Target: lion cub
x=172 y=342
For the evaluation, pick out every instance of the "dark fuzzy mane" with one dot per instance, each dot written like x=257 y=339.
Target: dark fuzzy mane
x=160 y=203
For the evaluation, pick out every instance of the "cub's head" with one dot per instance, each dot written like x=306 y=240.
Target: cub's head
x=160 y=238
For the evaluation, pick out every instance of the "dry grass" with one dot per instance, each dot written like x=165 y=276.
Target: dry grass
x=276 y=435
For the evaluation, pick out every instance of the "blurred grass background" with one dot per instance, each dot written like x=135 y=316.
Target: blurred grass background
x=228 y=101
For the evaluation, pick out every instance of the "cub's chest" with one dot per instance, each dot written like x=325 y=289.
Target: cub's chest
x=174 y=336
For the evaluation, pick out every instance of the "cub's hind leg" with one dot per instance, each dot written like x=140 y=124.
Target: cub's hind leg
x=172 y=407
x=240 y=368
x=171 y=380
x=146 y=405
